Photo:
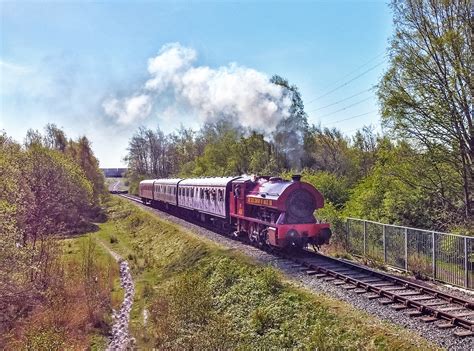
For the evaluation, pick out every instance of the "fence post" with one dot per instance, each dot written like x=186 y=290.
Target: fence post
x=365 y=238
x=384 y=244
x=466 y=266
x=406 y=249
x=433 y=247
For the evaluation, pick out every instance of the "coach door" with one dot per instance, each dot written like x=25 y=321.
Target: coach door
x=238 y=193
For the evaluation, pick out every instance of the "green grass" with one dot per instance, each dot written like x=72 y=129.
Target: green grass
x=200 y=295
x=73 y=252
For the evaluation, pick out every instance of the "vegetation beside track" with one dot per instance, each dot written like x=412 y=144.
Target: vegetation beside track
x=74 y=311
x=192 y=293
x=50 y=187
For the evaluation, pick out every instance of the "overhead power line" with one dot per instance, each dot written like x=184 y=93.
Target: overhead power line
x=345 y=108
x=345 y=99
x=351 y=73
x=349 y=81
x=352 y=117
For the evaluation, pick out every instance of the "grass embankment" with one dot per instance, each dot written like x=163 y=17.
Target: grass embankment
x=74 y=311
x=193 y=294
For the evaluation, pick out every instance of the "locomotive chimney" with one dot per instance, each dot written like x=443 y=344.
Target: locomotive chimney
x=296 y=177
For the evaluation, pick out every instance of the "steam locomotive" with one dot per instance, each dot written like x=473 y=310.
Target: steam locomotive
x=267 y=210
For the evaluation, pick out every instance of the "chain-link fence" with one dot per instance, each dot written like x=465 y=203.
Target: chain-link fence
x=445 y=257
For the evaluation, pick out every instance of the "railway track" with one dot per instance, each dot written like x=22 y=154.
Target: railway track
x=446 y=311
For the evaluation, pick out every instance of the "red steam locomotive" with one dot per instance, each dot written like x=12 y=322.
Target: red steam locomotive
x=268 y=210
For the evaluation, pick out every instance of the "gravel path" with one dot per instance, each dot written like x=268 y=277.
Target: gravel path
x=429 y=331
x=121 y=339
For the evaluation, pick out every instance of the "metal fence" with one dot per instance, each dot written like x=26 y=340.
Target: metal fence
x=445 y=257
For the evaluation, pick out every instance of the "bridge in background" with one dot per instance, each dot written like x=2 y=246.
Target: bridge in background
x=114 y=172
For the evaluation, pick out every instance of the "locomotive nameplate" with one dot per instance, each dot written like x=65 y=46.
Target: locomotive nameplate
x=259 y=201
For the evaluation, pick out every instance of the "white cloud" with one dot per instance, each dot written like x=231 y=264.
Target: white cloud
x=232 y=90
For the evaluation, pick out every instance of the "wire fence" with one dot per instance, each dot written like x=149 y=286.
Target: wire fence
x=445 y=257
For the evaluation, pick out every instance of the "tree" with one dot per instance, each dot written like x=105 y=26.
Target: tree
x=364 y=149
x=15 y=199
x=291 y=131
x=62 y=194
x=182 y=151
x=54 y=138
x=33 y=137
x=81 y=152
x=426 y=94
x=328 y=150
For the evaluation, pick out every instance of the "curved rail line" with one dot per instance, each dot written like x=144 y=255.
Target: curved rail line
x=402 y=295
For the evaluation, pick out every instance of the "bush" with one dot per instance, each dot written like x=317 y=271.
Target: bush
x=330 y=214
x=334 y=189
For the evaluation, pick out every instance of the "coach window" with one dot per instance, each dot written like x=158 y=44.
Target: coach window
x=220 y=194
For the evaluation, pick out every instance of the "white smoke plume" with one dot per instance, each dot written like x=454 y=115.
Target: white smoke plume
x=227 y=91
x=129 y=109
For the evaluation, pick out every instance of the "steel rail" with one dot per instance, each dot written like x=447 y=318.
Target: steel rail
x=383 y=291
x=421 y=288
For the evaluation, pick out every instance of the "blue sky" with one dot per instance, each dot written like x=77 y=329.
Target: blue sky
x=64 y=62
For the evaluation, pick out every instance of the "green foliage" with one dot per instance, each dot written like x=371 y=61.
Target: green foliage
x=41 y=338
x=233 y=154
x=405 y=193
x=328 y=150
x=330 y=214
x=62 y=193
x=335 y=189
x=81 y=153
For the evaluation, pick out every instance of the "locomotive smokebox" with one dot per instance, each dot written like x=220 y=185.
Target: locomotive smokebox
x=296 y=177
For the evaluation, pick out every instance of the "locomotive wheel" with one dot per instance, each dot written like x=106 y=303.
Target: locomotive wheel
x=263 y=238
